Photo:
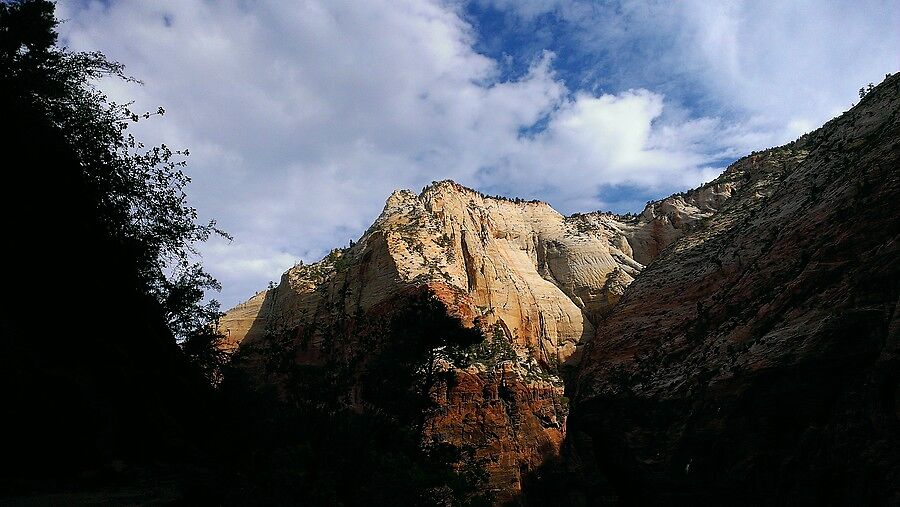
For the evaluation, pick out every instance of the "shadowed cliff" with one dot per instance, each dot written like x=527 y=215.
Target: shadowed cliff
x=755 y=361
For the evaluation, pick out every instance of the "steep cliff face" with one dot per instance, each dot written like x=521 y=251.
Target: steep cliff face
x=757 y=348
x=756 y=360
x=521 y=266
x=544 y=278
x=532 y=281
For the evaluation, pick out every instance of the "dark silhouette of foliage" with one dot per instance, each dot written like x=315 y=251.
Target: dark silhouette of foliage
x=865 y=90
x=400 y=377
x=137 y=193
x=310 y=442
x=94 y=221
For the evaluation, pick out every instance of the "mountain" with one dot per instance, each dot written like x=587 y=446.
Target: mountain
x=755 y=361
x=736 y=343
x=530 y=280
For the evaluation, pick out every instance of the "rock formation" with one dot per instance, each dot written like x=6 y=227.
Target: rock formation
x=746 y=333
x=756 y=360
x=533 y=281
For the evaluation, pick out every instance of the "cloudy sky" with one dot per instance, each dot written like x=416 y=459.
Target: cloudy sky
x=301 y=117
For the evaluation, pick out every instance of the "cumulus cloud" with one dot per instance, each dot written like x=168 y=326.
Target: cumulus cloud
x=608 y=140
x=776 y=67
x=302 y=117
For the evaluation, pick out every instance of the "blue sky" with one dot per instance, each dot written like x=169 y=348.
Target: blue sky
x=302 y=117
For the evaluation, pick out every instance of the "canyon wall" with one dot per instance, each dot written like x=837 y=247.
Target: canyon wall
x=756 y=360
x=532 y=281
x=732 y=343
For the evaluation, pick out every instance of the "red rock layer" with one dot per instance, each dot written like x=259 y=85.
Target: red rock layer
x=513 y=424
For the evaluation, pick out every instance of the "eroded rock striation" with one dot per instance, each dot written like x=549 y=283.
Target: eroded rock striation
x=756 y=360
x=533 y=281
x=736 y=342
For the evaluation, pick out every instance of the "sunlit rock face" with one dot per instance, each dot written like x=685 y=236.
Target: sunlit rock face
x=541 y=276
x=533 y=281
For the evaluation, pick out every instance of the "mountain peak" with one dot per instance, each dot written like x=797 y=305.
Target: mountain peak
x=657 y=306
x=530 y=280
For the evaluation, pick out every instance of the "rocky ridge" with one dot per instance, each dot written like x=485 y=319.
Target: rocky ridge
x=539 y=286
x=542 y=276
x=756 y=360
x=533 y=281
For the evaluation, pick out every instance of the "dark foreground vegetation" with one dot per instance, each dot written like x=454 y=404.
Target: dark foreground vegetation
x=91 y=374
x=101 y=404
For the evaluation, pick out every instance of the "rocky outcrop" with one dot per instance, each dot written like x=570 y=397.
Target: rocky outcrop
x=512 y=418
x=745 y=292
x=541 y=276
x=533 y=281
x=755 y=361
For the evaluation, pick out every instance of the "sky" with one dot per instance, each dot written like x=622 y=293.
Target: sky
x=302 y=117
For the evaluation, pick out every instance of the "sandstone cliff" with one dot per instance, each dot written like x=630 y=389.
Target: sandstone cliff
x=532 y=281
x=543 y=277
x=756 y=360
x=743 y=289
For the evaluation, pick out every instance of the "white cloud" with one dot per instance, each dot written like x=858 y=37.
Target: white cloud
x=796 y=62
x=252 y=263
x=777 y=67
x=591 y=141
x=302 y=117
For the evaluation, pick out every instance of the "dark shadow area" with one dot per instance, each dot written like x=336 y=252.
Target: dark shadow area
x=93 y=383
x=821 y=434
x=346 y=431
